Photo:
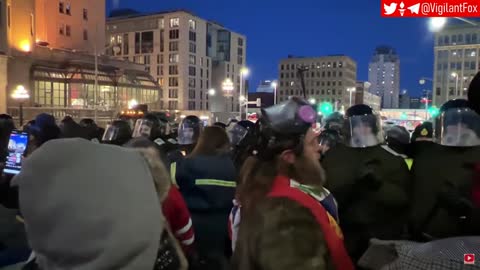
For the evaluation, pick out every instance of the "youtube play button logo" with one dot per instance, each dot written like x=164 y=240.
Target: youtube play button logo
x=469 y=258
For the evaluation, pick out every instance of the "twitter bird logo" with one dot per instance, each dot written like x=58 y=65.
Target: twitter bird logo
x=390 y=9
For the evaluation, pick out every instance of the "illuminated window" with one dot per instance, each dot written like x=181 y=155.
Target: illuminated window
x=174 y=22
x=192 y=24
x=173 y=58
x=68 y=9
x=192 y=60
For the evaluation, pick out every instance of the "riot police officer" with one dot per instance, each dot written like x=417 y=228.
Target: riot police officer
x=117 y=133
x=369 y=183
x=241 y=138
x=442 y=176
x=152 y=127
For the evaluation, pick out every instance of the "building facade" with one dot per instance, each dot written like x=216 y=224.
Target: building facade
x=266 y=86
x=326 y=79
x=58 y=69
x=64 y=24
x=363 y=96
x=384 y=75
x=186 y=54
x=457 y=49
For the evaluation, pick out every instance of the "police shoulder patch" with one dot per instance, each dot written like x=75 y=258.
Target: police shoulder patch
x=424 y=132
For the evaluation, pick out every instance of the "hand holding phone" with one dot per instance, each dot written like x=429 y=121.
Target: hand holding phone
x=17 y=146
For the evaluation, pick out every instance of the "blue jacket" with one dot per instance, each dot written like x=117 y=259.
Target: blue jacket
x=206 y=182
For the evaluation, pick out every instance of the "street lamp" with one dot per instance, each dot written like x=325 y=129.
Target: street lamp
x=116 y=49
x=241 y=98
x=351 y=90
x=274 y=85
x=312 y=101
x=20 y=94
x=211 y=92
x=436 y=24
x=244 y=73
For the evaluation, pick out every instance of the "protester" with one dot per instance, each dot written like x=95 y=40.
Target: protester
x=71 y=129
x=174 y=207
x=286 y=221
x=119 y=225
x=42 y=130
x=206 y=179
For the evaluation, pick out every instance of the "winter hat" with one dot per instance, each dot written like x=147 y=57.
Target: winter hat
x=90 y=206
x=399 y=134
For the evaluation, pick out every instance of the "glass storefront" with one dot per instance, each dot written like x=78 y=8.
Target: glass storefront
x=74 y=87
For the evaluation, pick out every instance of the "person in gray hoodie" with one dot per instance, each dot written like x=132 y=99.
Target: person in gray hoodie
x=83 y=211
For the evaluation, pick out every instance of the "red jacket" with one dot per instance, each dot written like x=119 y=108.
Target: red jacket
x=333 y=237
x=178 y=217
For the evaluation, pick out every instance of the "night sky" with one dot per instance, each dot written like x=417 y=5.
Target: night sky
x=275 y=29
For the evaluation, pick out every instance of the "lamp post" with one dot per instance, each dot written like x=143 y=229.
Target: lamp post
x=211 y=92
x=20 y=94
x=274 y=85
x=422 y=81
x=351 y=90
x=243 y=90
x=116 y=49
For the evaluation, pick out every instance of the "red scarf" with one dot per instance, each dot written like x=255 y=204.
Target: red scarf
x=476 y=187
x=341 y=260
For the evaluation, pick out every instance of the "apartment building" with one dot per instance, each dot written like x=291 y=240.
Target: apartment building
x=327 y=78
x=456 y=50
x=187 y=55
x=64 y=24
x=48 y=47
x=384 y=76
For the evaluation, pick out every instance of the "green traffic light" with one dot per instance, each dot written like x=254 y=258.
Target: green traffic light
x=326 y=108
x=433 y=111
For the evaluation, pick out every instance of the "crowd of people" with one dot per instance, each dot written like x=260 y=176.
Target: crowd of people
x=291 y=191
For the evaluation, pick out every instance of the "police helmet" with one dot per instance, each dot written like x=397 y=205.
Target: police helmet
x=149 y=126
x=362 y=127
x=189 y=130
x=118 y=133
x=457 y=125
x=334 y=121
x=283 y=127
x=240 y=131
x=474 y=93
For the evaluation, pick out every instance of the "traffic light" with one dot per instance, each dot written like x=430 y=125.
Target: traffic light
x=433 y=111
x=326 y=108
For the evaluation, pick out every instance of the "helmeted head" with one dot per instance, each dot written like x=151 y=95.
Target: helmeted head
x=457 y=125
x=334 y=121
x=287 y=133
x=149 y=126
x=240 y=131
x=117 y=133
x=474 y=93
x=362 y=128
x=189 y=130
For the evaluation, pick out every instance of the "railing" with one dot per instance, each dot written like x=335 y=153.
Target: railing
x=29 y=113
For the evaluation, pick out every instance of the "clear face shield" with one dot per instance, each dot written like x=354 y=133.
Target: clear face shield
x=363 y=131
x=110 y=134
x=458 y=127
x=186 y=135
x=143 y=128
x=236 y=134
